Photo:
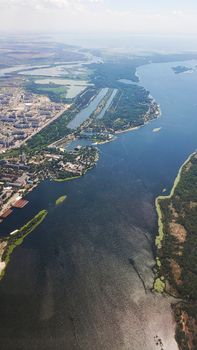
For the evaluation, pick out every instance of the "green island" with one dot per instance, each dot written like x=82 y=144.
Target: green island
x=181 y=69
x=60 y=200
x=8 y=244
x=176 y=244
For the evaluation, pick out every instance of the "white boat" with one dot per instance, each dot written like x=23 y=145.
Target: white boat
x=13 y=232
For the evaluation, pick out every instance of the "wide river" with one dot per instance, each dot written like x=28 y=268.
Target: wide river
x=71 y=284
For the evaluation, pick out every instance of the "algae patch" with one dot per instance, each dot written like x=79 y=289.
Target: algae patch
x=159 y=285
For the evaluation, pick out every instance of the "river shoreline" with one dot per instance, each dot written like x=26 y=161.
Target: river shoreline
x=159 y=284
x=176 y=239
x=159 y=237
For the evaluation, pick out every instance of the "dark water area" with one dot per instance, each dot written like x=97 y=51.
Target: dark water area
x=79 y=142
x=108 y=104
x=70 y=285
x=86 y=112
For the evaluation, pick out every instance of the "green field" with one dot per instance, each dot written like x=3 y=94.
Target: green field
x=56 y=93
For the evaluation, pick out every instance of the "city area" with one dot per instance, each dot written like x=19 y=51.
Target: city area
x=23 y=114
x=20 y=174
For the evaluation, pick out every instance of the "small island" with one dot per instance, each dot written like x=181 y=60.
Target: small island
x=60 y=200
x=176 y=244
x=181 y=69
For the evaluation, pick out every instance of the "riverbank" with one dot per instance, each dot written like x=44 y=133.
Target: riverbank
x=68 y=179
x=159 y=282
x=160 y=236
x=129 y=129
x=150 y=116
x=176 y=251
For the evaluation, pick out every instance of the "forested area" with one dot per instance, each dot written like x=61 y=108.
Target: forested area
x=178 y=253
x=132 y=101
x=128 y=108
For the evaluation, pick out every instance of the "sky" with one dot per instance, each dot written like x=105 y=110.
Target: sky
x=159 y=17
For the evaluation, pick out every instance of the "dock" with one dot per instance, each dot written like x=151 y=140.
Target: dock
x=6 y=213
x=20 y=203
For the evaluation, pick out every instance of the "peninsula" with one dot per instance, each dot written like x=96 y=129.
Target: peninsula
x=8 y=244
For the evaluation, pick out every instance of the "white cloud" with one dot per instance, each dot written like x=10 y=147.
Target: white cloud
x=178 y=13
x=45 y=3
x=92 y=16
